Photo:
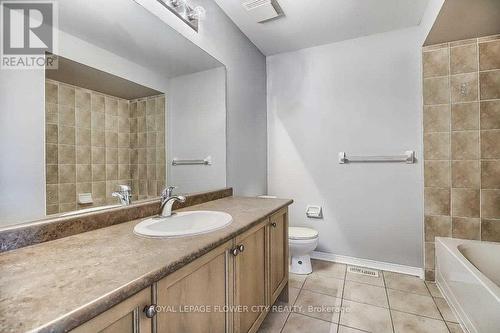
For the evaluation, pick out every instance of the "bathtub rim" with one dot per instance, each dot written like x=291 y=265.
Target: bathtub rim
x=492 y=288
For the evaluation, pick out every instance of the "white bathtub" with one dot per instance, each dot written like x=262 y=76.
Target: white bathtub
x=468 y=274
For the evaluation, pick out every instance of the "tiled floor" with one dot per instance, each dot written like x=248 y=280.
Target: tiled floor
x=332 y=300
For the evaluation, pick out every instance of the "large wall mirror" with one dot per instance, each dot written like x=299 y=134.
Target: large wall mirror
x=128 y=104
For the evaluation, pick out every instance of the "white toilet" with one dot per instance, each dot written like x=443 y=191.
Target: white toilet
x=302 y=241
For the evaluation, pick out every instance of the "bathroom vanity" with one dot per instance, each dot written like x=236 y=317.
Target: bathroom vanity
x=111 y=280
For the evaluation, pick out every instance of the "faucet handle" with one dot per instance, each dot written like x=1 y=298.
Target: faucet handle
x=124 y=188
x=167 y=191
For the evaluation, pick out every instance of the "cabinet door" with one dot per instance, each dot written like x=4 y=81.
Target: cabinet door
x=125 y=317
x=250 y=280
x=192 y=300
x=278 y=253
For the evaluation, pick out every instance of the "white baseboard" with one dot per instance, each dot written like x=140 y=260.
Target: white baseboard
x=385 y=266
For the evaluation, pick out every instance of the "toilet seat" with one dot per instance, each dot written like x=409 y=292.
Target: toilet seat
x=301 y=233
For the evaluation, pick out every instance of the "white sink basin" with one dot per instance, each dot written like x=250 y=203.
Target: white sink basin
x=183 y=224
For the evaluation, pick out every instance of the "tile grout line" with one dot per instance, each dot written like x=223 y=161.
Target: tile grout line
x=437 y=307
x=387 y=297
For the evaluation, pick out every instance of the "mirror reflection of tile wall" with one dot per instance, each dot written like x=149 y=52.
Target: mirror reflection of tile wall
x=95 y=142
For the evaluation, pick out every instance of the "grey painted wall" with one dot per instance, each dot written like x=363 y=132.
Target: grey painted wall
x=361 y=96
x=246 y=92
x=196 y=105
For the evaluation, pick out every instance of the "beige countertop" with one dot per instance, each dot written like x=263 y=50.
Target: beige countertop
x=57 y=285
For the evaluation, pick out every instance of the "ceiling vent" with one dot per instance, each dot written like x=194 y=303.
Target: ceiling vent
x=263 y=10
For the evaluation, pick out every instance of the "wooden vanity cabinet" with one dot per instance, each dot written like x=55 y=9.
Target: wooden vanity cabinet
x=278 y=253
x=193 y=298
x=125 y=317
x=246 y=274
x=250 y=279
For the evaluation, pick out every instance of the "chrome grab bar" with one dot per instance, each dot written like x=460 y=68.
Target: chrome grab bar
x=408 y=157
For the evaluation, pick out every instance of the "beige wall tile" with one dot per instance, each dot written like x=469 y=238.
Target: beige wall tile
x=465 y=145
x=83 y=188
x=67 y=207
x=150 y=106
x=111 y=155
x=66 y=95
x=466 y=174
x=123 y=140
x=52 y=209
x=133 y=125
x=123 y=156
x=123 y=125
x=463 y=42
x=436 y=146
x=98 y=190
x=429 y=275
x=97 y=120
x=111 y=123
x=67 y=173
x=97 y=102
x=466 y=228
x=66 y=135
x=429 y=255
x=123 y=108
x=490 y=204
x=437 y=173
x=67 y=154
x=51 y=92
x=436 y=91
x=83 y=173
x=490 y=84
x=490 y=230
x=490 y=147
x=490 y=174
x=98 y=172
x=82 y=100
x=111 y=106
x=437 y=201
x=83 y=118
x=141 y=140
x=51 y=154
x=151 y=139
x=98 y=155
x=83 y=155
x=436 y=63
x=82 y=136
x=111 y=171
x=141 y=124
x=141 y=108
x=489 y=55
x=133 y=109
x=465 y=116
x=51 y=113
x=67 y=194
x=464 y=88
x=437 y=226
x=463 y=59
x=490 y=114
x=52 y=194
x=435 y=47
x=124 y=171
x=66 y=115
x=52 y=174
x=51 y=133
x=465 y=202
x=111 y=139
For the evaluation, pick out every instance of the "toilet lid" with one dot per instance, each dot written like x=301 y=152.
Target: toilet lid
x=301 y=233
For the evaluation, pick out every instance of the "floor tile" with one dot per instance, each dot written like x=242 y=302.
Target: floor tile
x=366 y=317
x=319 y=306
x=376 y=281
x=296 y=280
x=445 y=310
x=454 y=328
x=324 y=284
x=292 y=295
x=408 y=283
x=433 y=289
x=345 y=329
x=327 y=268
x=408 y=323
x=413 y=303
x=365 y=293
x=297 y=323
x=274 y=322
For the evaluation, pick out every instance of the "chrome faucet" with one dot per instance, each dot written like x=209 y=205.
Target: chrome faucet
x=124 y=194
x=168 y=200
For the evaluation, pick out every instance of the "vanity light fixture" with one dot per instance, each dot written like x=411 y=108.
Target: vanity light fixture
x=190 y=14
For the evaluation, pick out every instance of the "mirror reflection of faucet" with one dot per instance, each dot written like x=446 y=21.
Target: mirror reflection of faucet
x=124 y=194
x=168 y=200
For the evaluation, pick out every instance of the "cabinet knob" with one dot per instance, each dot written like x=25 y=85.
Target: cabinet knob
x=150 y=310
x=274 y=224
x=241 y=247
x=235 y=251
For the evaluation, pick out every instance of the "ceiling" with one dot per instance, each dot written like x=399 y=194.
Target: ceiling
x=315 y=22
x=125 y=28
x=463 y=19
